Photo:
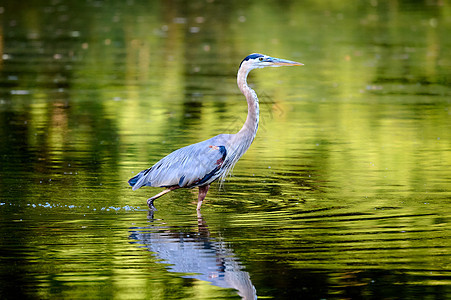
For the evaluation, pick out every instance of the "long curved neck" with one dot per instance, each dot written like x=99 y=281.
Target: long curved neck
x=249 y=129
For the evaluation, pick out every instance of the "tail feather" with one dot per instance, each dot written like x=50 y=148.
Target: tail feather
x=134 y=180
x=137 y=181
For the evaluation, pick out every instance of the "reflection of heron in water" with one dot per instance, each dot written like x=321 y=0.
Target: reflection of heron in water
x=196 y=252
x=198 y=165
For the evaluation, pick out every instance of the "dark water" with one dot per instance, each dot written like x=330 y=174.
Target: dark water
x=345 y=193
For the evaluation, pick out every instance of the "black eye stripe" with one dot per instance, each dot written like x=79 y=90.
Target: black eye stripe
x=252 y=56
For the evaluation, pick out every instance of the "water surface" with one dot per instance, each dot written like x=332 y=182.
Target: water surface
x=345 y=192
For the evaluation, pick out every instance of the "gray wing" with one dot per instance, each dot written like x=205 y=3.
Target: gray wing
x=190 y=166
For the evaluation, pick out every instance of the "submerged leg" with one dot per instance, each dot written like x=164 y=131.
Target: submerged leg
x=202 y=193
x=151 y=199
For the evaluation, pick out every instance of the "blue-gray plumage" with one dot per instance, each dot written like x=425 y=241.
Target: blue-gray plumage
x=198 y=165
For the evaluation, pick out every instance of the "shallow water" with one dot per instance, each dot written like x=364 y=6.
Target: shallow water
x=345 y=192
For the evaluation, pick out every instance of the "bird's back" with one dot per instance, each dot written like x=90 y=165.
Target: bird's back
x=190 y=166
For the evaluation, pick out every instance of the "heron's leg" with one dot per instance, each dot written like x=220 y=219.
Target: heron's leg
x=151 y=199
x=202 y=193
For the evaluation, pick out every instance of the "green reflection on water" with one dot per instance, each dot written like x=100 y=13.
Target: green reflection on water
x=343 y=194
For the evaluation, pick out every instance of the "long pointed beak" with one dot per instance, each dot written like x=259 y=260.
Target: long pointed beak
x=283 y=62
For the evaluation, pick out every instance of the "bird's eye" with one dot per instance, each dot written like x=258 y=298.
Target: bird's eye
x=261 y=58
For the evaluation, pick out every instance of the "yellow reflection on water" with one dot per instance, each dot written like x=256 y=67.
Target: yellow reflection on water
x=348 y=175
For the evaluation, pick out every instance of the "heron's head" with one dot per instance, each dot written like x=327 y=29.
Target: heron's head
x=257 y=60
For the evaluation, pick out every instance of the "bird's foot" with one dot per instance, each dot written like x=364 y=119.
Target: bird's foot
x=150 y=215
x=150 y=204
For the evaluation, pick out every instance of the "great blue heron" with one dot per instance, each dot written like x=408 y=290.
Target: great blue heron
x=202 y=163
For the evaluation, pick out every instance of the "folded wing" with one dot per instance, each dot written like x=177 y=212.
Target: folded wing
x=190 y=166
